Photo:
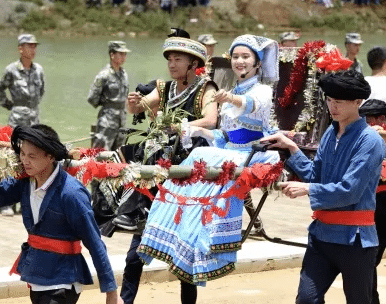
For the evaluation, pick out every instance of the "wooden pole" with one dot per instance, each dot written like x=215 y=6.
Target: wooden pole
x=175 y=171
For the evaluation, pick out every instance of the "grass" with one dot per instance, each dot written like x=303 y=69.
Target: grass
x=336 y=20
x=36 y=21
x=37 y=2
x=109 y=20
x=105 y=20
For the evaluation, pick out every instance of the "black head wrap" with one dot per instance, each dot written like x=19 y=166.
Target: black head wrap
x=41 y=136
x=177 y=32
x=373 y=107
x=346 y=85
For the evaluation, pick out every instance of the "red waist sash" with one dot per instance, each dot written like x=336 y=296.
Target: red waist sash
x=51 y=245
x=381 y=188
x=349 y=218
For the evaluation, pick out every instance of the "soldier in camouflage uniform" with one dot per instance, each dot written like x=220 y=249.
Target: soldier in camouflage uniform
x=109 y=90
x=353 y=42
x=25 y=81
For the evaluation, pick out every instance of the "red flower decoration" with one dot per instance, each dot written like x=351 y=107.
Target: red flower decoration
x=93 y=169
x=4 y=137
x=198 y=174
x=333 y=61
x=90 y=152
x=226 y=175
x=164 y=163
x=200 y=71
x=299 y=71
x=5 y=133
x=114 y=169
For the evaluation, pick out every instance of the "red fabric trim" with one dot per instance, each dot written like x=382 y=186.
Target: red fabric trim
x=349 y=218
x=49 y=244
x=381 y=188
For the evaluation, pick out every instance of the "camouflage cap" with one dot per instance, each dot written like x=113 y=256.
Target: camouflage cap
x=206 y=39
x=118 y=46
x=26 y=38
x=288 y=36
x=353 y=38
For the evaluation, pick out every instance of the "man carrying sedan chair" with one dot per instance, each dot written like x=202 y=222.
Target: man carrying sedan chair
x=341 y=182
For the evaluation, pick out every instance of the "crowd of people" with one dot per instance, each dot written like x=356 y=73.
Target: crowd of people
x=347 y=235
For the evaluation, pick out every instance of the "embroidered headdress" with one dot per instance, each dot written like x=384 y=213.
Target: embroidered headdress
x=266 y=50
x=187 y=46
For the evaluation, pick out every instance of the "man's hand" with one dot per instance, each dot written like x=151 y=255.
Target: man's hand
x=377 y=128
x=134 y=98
x=112 y=297
x=281 y=141
x=294 y=189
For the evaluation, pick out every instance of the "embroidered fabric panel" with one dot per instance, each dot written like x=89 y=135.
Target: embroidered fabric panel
x=183 y=275
x=175 y=100
x=183 y=251
x=226 y=227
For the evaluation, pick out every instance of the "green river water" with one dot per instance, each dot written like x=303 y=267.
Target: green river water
x=70 y=66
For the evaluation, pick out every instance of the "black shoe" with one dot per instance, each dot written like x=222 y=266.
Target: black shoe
x=126 y=222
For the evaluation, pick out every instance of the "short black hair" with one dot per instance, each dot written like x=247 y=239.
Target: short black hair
x=376 y=57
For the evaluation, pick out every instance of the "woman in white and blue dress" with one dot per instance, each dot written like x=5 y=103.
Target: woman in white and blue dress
x=195 y=252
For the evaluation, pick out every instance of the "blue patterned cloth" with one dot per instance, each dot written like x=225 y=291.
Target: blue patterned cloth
x=197 y=253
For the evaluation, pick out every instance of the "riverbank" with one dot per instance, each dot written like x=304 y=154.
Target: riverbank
x=72 y=18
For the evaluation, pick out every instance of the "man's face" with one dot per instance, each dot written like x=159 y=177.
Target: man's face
x=353 y=48
x=28 y=50
x=35 y=161
x=289 y=43
x=343 y=110
x=178 y=65
x=118 y=58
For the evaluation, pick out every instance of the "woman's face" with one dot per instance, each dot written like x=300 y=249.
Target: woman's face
x=178 y=65
x=243 y=61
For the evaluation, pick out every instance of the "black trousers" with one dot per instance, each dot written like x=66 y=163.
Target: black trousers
x=380 y=223
x=56 y=296
x=324 y=261
x=132 y=275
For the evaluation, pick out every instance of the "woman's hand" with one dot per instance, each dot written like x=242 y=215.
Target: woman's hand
x=294 y=189
x=195 y=131
x=222 y=96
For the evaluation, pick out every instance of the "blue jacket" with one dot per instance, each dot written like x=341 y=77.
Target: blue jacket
x=344 y=178
x=65 y=214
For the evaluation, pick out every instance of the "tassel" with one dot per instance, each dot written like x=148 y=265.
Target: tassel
x=178 y=216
